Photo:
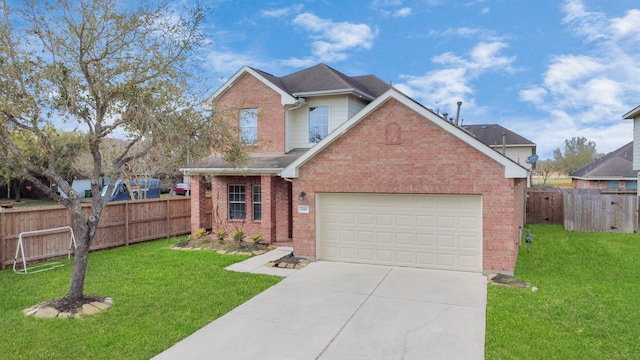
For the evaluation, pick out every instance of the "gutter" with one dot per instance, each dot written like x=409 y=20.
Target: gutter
x=230 y=171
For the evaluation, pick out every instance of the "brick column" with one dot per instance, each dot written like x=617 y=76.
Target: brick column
x=198 y=203
x=268 y=222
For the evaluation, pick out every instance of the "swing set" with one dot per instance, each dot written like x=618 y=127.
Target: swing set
x=20 y=250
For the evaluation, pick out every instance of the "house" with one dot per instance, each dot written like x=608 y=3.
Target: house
x=634 y=114
x=347 y=168
x=614 y=171
x=514 y=146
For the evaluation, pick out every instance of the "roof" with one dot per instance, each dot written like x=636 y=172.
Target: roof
x=614 y=165
x=633 y=113
x=491 y=134
x=317 y=80
x=258 y=164
x=511 y=168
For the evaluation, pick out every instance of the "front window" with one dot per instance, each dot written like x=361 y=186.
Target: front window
x=318 y=123
x=257 y=203
x=249 y=125
x=237 y=205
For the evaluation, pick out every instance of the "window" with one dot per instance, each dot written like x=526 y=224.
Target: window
x=257 y=203
x=237 y=205
x=318 y=123
x=613 y=184
x=249 y=125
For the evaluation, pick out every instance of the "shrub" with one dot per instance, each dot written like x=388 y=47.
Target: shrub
x=238 y=235
x=200 y=233
x=221 y=235
x=257 y=238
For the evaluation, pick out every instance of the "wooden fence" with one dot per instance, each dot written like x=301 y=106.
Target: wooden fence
x=587 y=210
x=583 y=210
x=122 y=223
x=545 y=206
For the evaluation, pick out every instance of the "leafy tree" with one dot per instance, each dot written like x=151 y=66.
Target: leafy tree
x=578 y=152
x=544 y=169
x=108 y=68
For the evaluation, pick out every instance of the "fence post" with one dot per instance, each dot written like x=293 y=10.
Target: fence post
x=126 y=224
x=2 y=240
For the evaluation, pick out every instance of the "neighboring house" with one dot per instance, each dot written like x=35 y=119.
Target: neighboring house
x=350 y=169
x=634 y=114
x=614 y=171
x=505 y=141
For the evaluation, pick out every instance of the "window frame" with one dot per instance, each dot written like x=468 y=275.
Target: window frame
x=244 y=130
x=233 y=190
x=256 y=205
x=316 y=136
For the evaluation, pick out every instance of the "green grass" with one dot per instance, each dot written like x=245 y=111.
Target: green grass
x=587 y=305
x=563 y=182
x=160 y=297
x=26 y=203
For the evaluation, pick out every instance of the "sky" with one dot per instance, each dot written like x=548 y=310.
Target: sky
x=548 y=70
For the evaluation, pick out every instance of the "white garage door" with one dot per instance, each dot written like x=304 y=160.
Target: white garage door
x=429 y=231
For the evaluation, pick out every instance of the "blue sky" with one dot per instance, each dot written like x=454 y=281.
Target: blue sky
x=546 y=69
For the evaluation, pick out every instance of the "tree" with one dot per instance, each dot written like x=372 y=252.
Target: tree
x=104 y=67
x=544 y=169
x=578 y=152
x=66 y=145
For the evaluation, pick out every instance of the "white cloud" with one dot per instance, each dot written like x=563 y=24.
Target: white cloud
x=438 y=89
x=391 y=8
x=586 y=94
x=534 y=95
x=627 y=26
x=454 y=82
x=333 y=40
x=283 y=12
x=403 y=12
x=224 y=64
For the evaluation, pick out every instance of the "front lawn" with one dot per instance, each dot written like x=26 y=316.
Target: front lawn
x=160 y=297
x=587 y=305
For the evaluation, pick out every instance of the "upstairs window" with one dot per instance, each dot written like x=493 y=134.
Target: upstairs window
x=318 y=123
x=249 y=126
x=237 y=202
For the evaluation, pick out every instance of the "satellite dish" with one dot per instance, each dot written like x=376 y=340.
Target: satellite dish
x=532 y=159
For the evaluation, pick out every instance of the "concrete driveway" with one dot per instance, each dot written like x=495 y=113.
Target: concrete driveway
x=331 y=310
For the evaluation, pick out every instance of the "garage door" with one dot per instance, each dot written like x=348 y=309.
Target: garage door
x=428 y=231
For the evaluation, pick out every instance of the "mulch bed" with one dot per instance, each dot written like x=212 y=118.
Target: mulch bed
x=508 y=280
x=67 y=305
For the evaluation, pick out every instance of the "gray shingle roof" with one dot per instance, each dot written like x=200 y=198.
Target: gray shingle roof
x=321 y=78
x=491 y=134
x=618 y=163
x=259 y=163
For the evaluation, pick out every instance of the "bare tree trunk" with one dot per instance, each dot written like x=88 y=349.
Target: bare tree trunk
x=86 y=231
x=76 y=287
x=17 y=190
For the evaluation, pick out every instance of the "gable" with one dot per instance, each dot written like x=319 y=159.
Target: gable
x=394 y=150
x=249 y=92
x=457 y=147
x=269 y=81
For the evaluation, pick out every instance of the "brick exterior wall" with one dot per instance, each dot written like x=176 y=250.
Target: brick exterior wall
x=198 y=203
x=418 y=158
x=250 y=93
x=275 y=204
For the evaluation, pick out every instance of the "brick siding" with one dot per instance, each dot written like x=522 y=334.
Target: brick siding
x=250 y=93
x=421 y=159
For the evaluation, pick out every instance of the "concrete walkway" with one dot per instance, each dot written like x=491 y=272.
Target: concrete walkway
x=331 y=310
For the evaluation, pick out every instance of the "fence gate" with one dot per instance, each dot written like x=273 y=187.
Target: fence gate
x=545 y=206
x=590 y=211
